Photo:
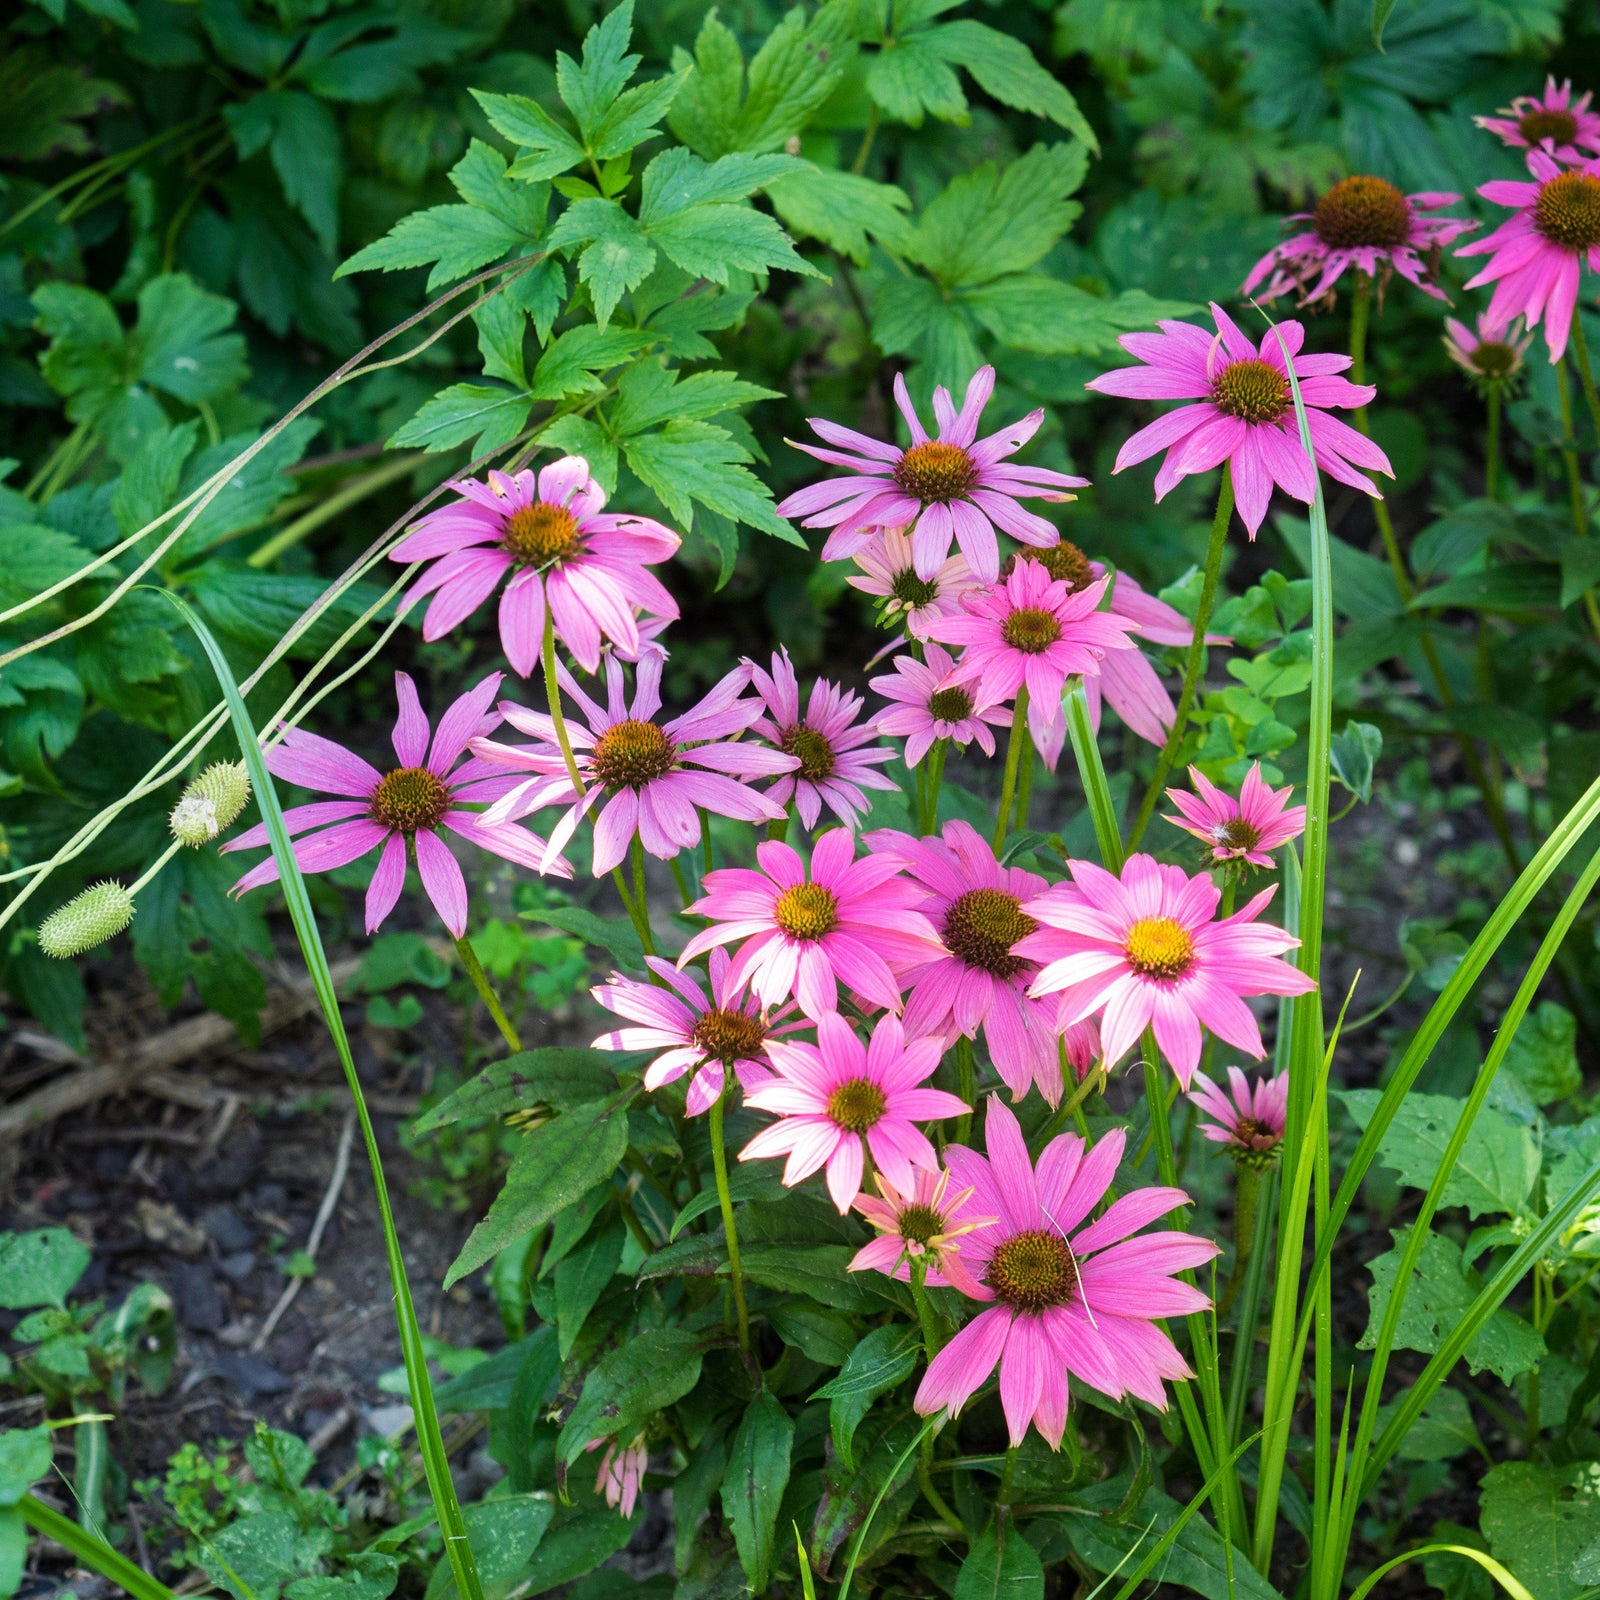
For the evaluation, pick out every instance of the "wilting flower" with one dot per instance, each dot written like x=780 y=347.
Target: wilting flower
x=90 y=917
x=1247 y=829
x=976 y=904
x=404 y=807
x=888 y=573
x=1365 y=223
x=693 y=1034
x=1492 y=358
x=622 y=1470
x=1246 y=411
x=853 y=922
x=1554 y=120
x=925 y=1223
x=651 y=775
x=838 y=1099
x=1248 y=1118
x=836 y=753
x=927 y=706
x=1036 y=631
x=1144 y=950
x=955 y=486
x=1069 y=1299
x=1536 y=256
x=1131 y=686
x=562 y=550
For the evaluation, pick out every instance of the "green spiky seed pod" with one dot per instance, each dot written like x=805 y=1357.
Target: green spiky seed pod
x=211 y=803
x=101 y=912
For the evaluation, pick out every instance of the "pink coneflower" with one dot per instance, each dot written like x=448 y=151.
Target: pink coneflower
x=693 y=1034
x=837 y=755
x=1247 y=829
x=1131 y=686
x=1249 y=1119
x=1536 y=256
x=925 y=1223
x=1069 y=1299
x=552 y=535
x=955 y=486
x=622 y=1470
x=404 y=807
x=1553 y=121
x=839 y=1099
x=888 y=573
x=1246 y=415
x=927 y=706
x=976 y=904
x=1491 y=357
x=651 y=775
x=1365 y=223
x=1036 y=630
x=1144 y=950
x=854 y=922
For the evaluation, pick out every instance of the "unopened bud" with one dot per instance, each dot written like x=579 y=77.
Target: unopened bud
x=101 y=912
x=211 y=803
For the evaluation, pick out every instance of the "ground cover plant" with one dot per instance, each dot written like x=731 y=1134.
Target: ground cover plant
x=963 y=646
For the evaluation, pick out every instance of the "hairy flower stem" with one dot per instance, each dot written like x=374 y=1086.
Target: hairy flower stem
x=1008 y=786
x=1246 y=1195
x=552 y=689
x=1255 y=1278
x=966 y=1086
x=932 y=1343
x=719 y=1163
x=480 y=982
x=1359 y=307
x=1024 y=786
x=641 y=903
x=1580 y=348
x=1491 y=449
x=931 y=779
x=1191 y=667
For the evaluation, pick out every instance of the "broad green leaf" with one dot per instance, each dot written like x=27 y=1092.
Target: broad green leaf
x=502 y=329
x=580 y=1280
x=1440 y=1292
x=826 y=1337
x=883 y=1359
x=1580 y=569
x=367 y=1575
x=504 y=1532
x=616 y=936
x=33 y=557
x=1006 y=68
x=1353 y=753
x=258 y=608
x=628 y=1385
x=1001 y=1565
x=1538 y=1521
x=755 y=1180
x=753 y=1483
x=456 y=240
x=393 y=959
x=301 y=136
x=590 y=87
x=697 y=461
x=178 y=343
x=255 y=1557
x=556 y=1163
x=1444 y=1430
x=491 y=416
x=24 y=1460
x=575 y=1545
x=842 y=209
x=634 y=116
x=678 y=180
x=848 y=1494
x=693 y=1490
x=1498 y=1165
x=1543 y=1056
x=1510 y=588
x=39 y=1268
x=562 y=1076
x=713 y=239
x=569 y=364
x=15 y=1538
x=1029 y=311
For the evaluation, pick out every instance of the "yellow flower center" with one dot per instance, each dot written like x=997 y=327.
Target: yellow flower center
x=1033 y=1271
x=982 y=925
x=808 y=911
x=1031 y=630
x=920 y=1224
x=541 y=535
x=1252 y=391
x=857 y=1105
x=815 y=753
x=936 y=473
x=630 y=754
x=728 y=1036
x=1567 y=211
x=1536 y=126
x=912 y=591
x=1362 y=211
x=1159 y=948
x=410 y=799
x=950 y=705
x=1065 y=563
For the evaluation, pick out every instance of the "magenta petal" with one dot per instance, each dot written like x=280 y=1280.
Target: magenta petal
x=387 y=881
x=441 y=877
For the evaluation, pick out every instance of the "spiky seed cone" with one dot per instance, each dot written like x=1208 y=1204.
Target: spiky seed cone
x=101 y=912
x=211 y=803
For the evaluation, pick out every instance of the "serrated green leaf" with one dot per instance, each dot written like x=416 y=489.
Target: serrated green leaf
x=697 y=461
x=678 y=180
x=617 y=255
x=841 y=209
x=1006 y=68
x=302 y=138
x=1032 y=312
x=501 y=331
x=650 y=394
x=491 y=416
x=178 y=344
x=634 y=116
x=1544 y=1057
x=40 y=1268
x=568 y=365
x=910 y=79
x=527 y=124
x=590 y=87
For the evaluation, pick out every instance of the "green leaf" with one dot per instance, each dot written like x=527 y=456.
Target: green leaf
x=1580 y=569
x=616 y=936
x=753 y=1483
x=1510 y=588
x=488 y=1386
x=501 y=331
x=827 y=1337
x=33 y=557
x=678 y=180
x=563 y=1076
x=848 y=1495
x=910 y=79
x=574 y=1546
x=504 y=1532
x=1380 y=17
x=1006 y=68
x=14 y=1541
x=528 y=125
x=393 y=959
x=1031 y=312
x=628 y=1385
x=255 y=1557
x=1440 y=1292
x=650 y=394
x=1538 y=1521
x=1001 y=1565
x=258 y=608
x=556 y=1163
x=580 y=1280
x=492 y=416
x=1353 y=753
x=634 y=116
x=24 y=1460
x=1498 y=1165
x=698 y=461
x=692 y=1493
x=367 y=1575
x=755 y=1181
x=591 y=87
x=86 y=360
x=1442 y=1432
x=178 y=343
x=39 y=1268
x=569 y=364
x=303 y=141
x=820 y=1271
x=1543 y=1055
x=617 y=256
x=883 y=1360
x=842 y=209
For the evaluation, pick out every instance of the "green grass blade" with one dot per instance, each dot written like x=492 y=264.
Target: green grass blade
x=1092 y=773
x=1511 y=1586
x=430 y=1440
x=94 y=1553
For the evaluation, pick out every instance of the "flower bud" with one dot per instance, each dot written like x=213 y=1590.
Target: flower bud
x=101 y=912
x=211 y=803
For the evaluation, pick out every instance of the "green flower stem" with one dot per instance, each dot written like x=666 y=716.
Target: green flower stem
x=705 y=840
x=932 y=1343
x=480 y=982
x=1024 y=786
x=966 y=1086
x=1569 y=457
x=641 y=902
x=1580 y=348
x=552 y=689
x=1197 y=652
x=1008 y=786
x=1246 y=1195
x=719 y=1163
x=685 y=893
x=1359 y=308
x=1255 y=1278
x=1491 y=448
x=1071 y=1107
x=930 y=780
